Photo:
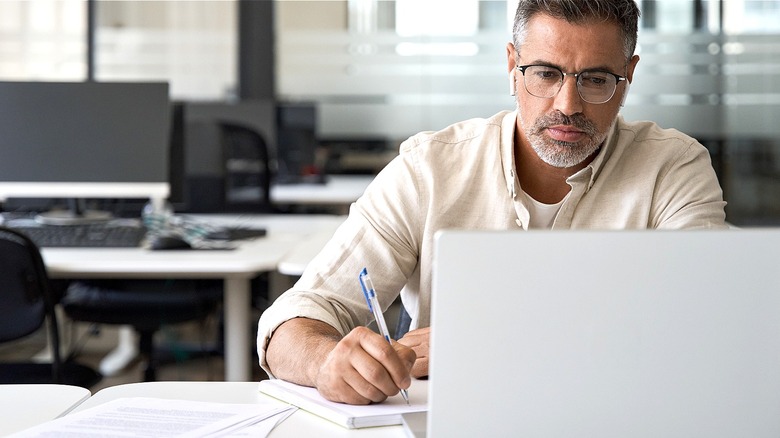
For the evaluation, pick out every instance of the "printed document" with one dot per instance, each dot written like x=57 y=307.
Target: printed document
x=152 y=417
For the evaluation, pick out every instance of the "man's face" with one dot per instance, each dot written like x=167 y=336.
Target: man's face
x=565 y=130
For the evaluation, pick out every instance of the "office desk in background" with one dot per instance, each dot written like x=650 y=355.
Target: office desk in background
x=236 y=267
x=295 y=262
x=338 y=190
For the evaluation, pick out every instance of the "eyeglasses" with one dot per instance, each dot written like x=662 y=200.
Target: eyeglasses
x=593 y=86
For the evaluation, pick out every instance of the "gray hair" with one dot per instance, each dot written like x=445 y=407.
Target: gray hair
x=624 y=13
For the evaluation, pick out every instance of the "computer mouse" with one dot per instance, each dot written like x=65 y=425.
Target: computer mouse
x=168 y=241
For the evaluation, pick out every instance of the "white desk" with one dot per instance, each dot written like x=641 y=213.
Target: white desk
x=24 y=406
x=237 y=268
x=337 y=189
x=298 y=258
x=299 y=424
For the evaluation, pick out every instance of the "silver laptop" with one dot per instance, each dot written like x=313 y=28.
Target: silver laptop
x=606 y=334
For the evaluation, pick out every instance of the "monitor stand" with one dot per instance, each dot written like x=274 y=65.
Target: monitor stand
x=76 y=214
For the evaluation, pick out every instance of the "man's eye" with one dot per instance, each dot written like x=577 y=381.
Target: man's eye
x=548 y=75
x=595 y=80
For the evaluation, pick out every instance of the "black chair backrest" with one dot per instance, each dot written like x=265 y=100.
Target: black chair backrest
x=247 y=168
x=26 y=297
x=23 y=286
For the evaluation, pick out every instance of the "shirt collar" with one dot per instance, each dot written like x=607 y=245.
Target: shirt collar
x=593 y=169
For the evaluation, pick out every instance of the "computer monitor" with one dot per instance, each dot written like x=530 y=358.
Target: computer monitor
x=296 y=143
x=84 y=140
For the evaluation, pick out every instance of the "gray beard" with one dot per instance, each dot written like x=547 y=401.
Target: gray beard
x=562 y=154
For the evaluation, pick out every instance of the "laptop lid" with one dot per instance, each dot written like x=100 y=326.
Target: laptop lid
x=606 y=333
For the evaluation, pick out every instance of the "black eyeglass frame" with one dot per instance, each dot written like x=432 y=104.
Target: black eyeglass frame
x=618 y=79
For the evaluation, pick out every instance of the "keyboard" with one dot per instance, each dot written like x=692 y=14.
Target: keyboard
x=95 y=235
x=235 y=233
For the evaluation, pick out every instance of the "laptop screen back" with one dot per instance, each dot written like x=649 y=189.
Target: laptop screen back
x=606 y=333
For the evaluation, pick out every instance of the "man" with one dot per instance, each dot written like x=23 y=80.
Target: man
x=563 y=160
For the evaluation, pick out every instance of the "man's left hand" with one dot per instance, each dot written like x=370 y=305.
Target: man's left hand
x=418 y=340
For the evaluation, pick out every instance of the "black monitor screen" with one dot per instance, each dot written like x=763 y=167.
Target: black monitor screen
x=83 y=132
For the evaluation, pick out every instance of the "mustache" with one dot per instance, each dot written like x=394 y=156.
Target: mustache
x=578 y=121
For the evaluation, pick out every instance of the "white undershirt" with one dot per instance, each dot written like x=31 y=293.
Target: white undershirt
x=542 y=215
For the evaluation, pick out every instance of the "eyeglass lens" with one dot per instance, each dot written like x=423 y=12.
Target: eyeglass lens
x=593 y=86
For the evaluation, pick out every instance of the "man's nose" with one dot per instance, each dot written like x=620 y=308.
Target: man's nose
x=568 y=100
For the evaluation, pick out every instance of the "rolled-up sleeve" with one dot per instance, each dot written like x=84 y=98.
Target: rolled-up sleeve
x=380 y=234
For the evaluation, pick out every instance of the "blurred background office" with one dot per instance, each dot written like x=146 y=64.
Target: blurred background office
x=372 y=72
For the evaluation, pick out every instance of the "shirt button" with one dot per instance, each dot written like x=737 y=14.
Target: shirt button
x=519 y=223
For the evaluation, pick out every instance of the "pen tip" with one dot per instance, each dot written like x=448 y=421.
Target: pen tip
x=405 y=395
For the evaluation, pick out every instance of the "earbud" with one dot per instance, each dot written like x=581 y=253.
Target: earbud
x=625 y=94
x=512 y=83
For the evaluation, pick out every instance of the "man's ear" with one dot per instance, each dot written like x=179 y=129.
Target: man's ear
x=631 y=67
x=630 y=77
x=510 y=64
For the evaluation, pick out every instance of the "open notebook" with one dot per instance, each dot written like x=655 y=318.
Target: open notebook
x=606 y=333
x=386 y=413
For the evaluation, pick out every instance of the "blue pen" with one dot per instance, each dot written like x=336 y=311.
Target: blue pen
x=373 y=305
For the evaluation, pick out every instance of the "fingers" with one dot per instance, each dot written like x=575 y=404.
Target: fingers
x=408 y=357
x=365 y=368
x=333 y=382
x=420 y=368
x=419 y=341
x=386 y=366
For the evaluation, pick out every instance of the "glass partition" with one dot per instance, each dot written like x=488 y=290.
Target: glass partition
x=43 y=40
x=392 y=68
x=190 y=44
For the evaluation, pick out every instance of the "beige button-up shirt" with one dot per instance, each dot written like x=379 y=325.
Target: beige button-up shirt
x=463 y=177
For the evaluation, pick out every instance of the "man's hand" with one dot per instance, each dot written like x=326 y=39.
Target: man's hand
x=364 y=368
x=419 y=341
x=359 y=368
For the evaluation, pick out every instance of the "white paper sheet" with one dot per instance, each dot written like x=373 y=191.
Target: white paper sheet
x=140 y=417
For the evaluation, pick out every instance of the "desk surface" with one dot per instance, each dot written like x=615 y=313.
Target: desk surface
x=337 y=189
x=296 y=260
x=249 y=259
x=299 y=424
x=24 y=406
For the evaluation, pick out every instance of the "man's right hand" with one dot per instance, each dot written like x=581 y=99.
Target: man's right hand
x=359 y=368
x=364 y=368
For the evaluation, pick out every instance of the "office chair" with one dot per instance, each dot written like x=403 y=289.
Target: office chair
x=145 y=305
x=27 y=303
x=247 y=171
x=236 y=173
